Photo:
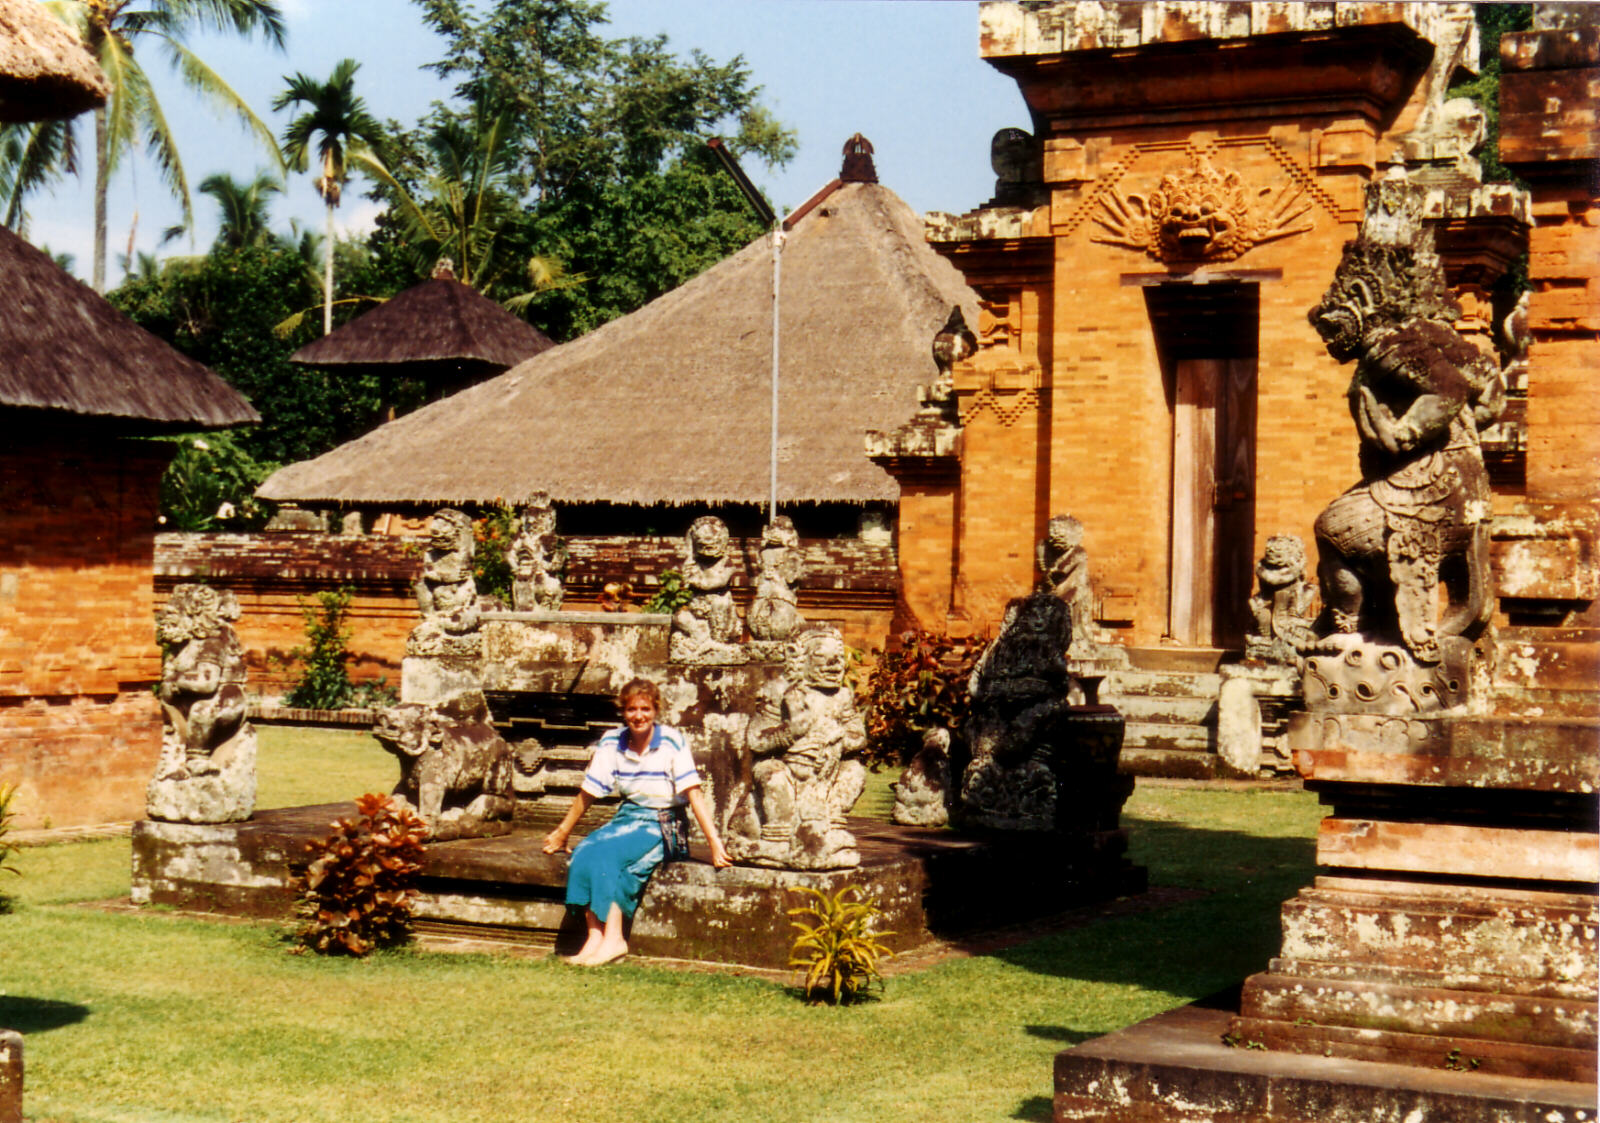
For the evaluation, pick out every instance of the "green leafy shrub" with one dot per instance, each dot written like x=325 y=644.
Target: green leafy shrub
x=358 y=891
x=920 y=684
x=671 y=594
x=210 y=485
x=491 y=562
x=325 y=682
x=838 y=950
x=374 y=694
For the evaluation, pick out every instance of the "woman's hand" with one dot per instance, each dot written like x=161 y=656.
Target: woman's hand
x=719 y=854
x=557 y=840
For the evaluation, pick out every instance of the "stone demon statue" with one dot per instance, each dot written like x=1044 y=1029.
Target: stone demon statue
x=538 y=559
x=447 y=594
x=705 y=629
x=1281 y=610
x=455 y=770
x=788 y=812
x=774 y=613
x=1419 y=395
x=207 y=769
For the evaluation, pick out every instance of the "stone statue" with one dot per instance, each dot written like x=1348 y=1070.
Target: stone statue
x=788 y=811
x=207 y=769
x=447 y=595
x=1284 y=606
x=455 y=770
x=1020 y=695
x=706 y=629
x=1064 y=565
x=1419 y=516
x=921 y=795
x=538 y=559
x=774 y=613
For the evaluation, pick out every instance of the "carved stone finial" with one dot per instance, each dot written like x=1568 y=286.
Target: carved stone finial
x=1418 y=518
x=538 y=558
x=444 y=269
x=705 y=630
x=447 y=593
x=207 y=769
x=800 y=776
x=857 y=166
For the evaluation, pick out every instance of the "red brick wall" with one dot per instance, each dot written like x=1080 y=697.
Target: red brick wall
x=79 y=729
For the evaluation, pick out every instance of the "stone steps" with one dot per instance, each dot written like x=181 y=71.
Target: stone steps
x=1170 y=713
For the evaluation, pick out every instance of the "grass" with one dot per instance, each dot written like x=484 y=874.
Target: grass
x=152 y=1016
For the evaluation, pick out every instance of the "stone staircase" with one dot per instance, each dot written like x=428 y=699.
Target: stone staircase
x=1168 y=698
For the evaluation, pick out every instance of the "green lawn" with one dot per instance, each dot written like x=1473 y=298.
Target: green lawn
x=151 y=1016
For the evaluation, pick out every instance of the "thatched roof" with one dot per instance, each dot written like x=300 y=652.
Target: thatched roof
x=671 y=403
x=45 y=72
x=63 y=349
x=440 y=325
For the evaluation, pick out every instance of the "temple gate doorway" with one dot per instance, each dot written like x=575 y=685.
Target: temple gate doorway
x=1206 y=336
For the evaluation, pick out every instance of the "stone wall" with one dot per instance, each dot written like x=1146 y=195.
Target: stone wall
x=79 y=727
x=848 y=584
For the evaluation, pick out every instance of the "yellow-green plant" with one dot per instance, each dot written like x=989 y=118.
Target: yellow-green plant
x=837 y=948
x=8 y=792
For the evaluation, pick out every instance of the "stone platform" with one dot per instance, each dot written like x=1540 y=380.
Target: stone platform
x=1176 y=1068
x=930 y=884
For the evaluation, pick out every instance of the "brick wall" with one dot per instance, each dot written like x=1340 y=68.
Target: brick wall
x=847 y=584
x=79 y=728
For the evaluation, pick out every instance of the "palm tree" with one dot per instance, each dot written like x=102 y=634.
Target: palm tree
x=112 y=29
x=338 y=121
x=244 y=207
x=32 y=155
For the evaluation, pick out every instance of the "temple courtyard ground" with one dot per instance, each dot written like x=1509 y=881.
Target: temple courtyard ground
x=151 y=1015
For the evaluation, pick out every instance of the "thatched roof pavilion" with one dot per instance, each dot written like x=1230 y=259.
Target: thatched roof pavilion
x=45 y=72
x=65 y=352
x=670 y=404
x=442 y=332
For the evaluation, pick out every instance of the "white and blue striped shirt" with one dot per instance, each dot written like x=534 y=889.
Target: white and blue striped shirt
x=656 y=778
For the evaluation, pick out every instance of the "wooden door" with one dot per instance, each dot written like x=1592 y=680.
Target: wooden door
x=1213 y=499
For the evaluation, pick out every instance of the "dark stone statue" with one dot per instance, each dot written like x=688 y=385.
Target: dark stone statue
x=1283 y=607
x=455 y=771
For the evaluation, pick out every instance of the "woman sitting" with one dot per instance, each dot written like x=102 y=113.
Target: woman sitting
x=649 y=765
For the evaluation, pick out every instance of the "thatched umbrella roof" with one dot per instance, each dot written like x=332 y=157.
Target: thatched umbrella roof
x=670 y=404
x=440 y=329
x=45 y=72
x=64 y=350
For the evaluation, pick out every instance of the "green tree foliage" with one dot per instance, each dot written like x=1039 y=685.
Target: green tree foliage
x=210 y=485
x=604 y=151
x=113 y=30
x=244 y=207
x=918 y=685
x=33 y=155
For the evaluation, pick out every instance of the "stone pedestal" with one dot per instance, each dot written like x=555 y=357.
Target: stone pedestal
x=10 y=1076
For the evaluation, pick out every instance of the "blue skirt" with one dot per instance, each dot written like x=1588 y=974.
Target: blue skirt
x=611 y=865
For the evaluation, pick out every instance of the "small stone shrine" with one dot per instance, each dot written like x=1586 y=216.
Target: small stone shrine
x=800 y=774
x=207 y=769
x=1038 y=762
x=706 y=630
x=455 y=770
x=538 y=559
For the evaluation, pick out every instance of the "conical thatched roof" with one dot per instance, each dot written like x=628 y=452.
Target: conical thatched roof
x=64 y=349
x=45 y=72
x=671 y=403
x=440 y=325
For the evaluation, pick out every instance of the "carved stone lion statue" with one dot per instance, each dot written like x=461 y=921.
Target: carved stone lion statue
x=206 y=773
x=455 y=770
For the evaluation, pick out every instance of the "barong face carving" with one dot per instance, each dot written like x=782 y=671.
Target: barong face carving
x=1019 y=698
x=207 y=769
x=455 y=770
x=774 y=613
x=538 y=559
x=447 y=594
x=1418 y=518
x=705 y=630
x=1200 y=214
x=1283 y=608
x=788 y=809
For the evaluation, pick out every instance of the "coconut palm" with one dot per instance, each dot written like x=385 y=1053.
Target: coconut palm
x=33 y=155
x=244 y=207
x=339 y=123
x=113 y=30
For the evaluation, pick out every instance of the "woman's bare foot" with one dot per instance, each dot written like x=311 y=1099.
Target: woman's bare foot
x=607 y=952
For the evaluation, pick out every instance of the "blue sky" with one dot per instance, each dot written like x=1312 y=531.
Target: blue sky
x=905 y=73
